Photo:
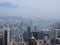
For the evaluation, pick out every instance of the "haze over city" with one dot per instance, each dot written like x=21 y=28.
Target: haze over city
x=46 y=9
x=29 y=22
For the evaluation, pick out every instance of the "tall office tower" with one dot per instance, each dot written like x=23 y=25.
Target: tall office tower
x=35 y=28
x=46 y=39
x=38 y=35
x=22 y=23
x=21 y=41
x=29 y=32
x=7 y=36
x=29 y=29
x=19 y=37
x=1 y=39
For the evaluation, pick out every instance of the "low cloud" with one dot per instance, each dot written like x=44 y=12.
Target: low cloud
x=7 y=4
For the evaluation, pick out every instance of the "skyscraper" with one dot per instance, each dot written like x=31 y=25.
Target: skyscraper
x=1 y=39
x=32 y=41
x=7 y=36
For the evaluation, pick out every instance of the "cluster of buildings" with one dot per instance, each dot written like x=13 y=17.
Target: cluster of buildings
x=43 y=37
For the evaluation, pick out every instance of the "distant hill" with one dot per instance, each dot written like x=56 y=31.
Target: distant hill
x=37 y=21
x=10 y=18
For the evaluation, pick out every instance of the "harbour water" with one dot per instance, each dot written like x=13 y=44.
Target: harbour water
x=14 y=32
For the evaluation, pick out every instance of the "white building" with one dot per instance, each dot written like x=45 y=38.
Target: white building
x=6 y=35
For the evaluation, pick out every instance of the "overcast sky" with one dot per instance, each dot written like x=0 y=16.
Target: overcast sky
x=46 y=9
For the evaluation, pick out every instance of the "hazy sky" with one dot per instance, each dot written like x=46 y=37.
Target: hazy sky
x=45 y=9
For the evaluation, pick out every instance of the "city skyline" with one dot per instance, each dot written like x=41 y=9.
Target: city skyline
x=46 y=9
